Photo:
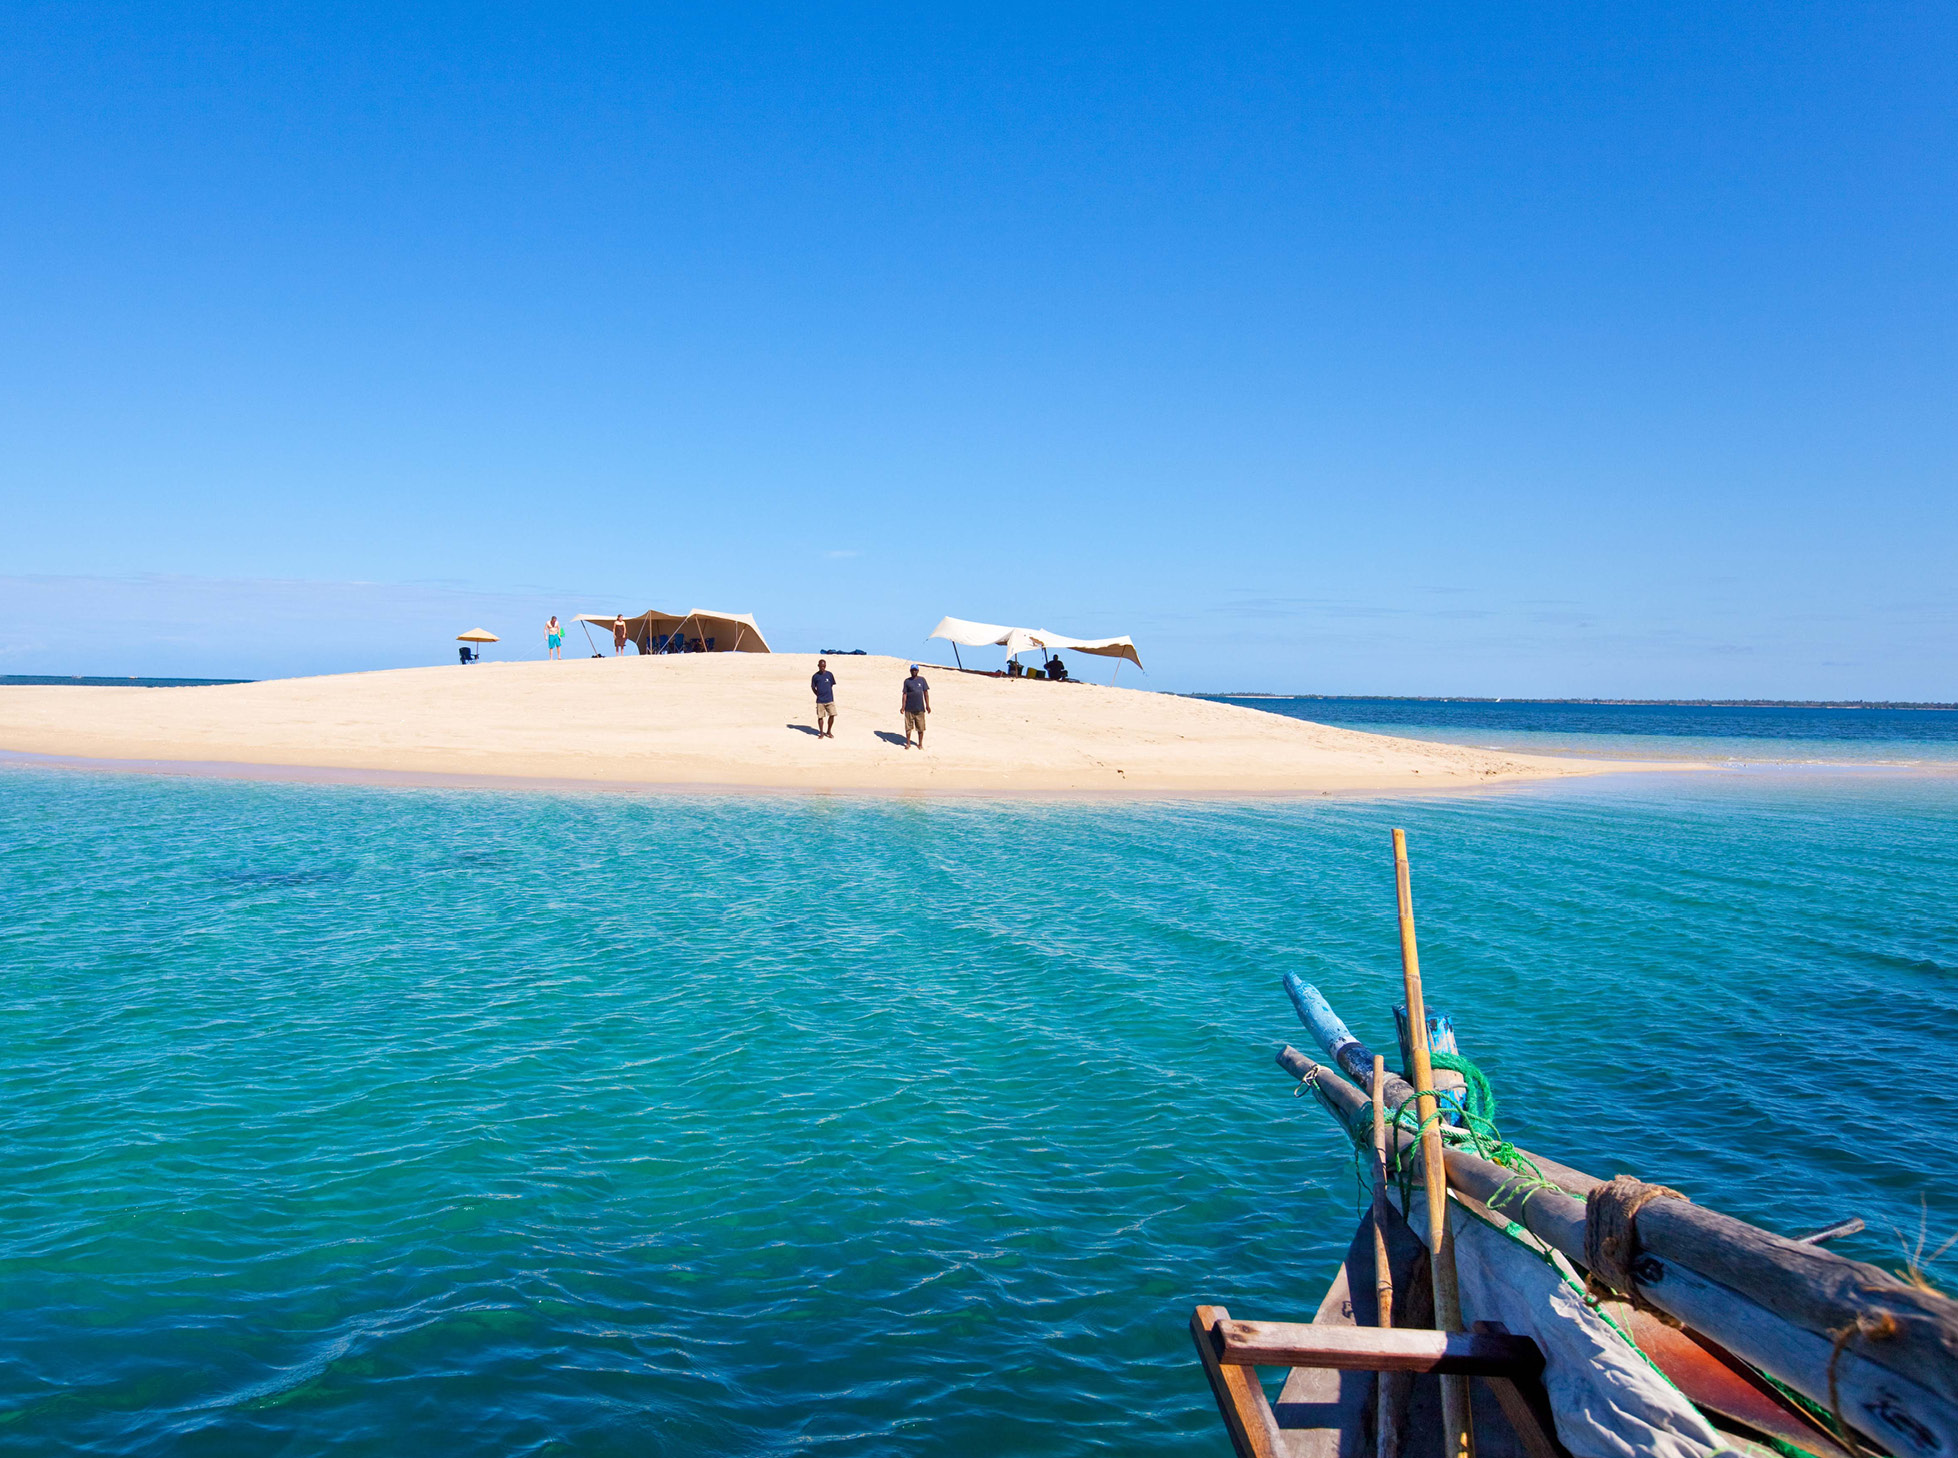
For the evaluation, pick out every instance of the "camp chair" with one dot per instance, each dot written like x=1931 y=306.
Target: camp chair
x=469 y=655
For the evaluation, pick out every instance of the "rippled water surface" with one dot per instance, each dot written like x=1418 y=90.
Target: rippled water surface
x=368 y=1121
x=1737 y=734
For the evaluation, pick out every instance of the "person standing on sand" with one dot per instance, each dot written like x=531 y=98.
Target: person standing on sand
x=554 y=637
x=823 y=684
x=618 y=635
x=915 y=701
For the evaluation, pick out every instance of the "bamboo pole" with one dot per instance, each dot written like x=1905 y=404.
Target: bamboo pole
x=1460 y=1432
x=1386 y=1424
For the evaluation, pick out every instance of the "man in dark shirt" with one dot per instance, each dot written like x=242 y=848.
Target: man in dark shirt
x=823 y=684
x=915 y=701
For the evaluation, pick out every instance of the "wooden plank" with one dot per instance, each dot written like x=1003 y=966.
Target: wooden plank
x=1247 y=1415
x=1374 y=1349
x=1911 y=1420
x=1807 y=1286
x=1715 y=1380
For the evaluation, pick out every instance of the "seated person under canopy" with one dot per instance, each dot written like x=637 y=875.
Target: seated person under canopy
x=1056 y=669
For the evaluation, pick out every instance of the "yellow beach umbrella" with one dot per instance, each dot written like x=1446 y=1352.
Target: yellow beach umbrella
x=478 y=635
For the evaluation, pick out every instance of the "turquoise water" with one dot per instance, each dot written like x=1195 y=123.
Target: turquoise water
x=349 y=1120
x=1732 y=734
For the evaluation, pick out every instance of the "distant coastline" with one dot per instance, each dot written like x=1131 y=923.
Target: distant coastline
x=1622 y=703
x=44 y=680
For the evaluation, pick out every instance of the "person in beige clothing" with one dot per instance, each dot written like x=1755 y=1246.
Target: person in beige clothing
x=914 y=699
x=823 y=684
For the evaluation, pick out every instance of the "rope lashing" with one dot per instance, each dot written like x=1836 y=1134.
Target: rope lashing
x=1478 y=1100
x=1474 y=1105
x=1880 y=1326
x=1611 y=1247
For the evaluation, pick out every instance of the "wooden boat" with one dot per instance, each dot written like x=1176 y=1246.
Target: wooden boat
x=1579 y=1317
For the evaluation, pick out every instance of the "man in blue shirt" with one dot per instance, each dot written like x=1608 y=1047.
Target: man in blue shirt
x=823 y=684
x=915 y=700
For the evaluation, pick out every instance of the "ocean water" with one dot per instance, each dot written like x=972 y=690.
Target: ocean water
x=1741 y=735
x=356 y=1121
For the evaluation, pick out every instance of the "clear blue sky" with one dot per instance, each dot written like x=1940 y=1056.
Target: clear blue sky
x=1469 y=349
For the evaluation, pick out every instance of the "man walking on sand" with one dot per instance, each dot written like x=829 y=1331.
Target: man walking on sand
x=823 y=683
x=915 y=700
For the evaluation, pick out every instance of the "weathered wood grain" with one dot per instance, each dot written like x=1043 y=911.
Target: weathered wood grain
x=1375 y=1349
x=1241 y=1402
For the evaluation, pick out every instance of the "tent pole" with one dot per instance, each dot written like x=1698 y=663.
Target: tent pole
x=956 y=659
x=588 y=642
x=1116 y=674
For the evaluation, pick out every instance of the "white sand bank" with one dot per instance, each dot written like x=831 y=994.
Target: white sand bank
x=742 y=721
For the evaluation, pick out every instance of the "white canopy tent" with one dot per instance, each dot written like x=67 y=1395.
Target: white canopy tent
x=654 y=631
x=1022 y=640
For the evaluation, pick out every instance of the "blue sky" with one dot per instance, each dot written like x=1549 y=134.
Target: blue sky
x=1504 y=350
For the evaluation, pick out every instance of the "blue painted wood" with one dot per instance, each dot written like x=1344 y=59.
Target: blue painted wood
x=1441 y=1034
x=1348 y=1053
x=1352 y=1057
x=1441 y=1039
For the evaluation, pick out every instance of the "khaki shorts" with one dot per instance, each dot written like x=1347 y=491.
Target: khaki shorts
x=825 y=712
x=914 y=721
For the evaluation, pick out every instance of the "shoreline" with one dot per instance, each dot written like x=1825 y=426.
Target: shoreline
x=741 y=723
x=369 y=778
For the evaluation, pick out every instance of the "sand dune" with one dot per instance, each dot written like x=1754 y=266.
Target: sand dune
x=741 y=721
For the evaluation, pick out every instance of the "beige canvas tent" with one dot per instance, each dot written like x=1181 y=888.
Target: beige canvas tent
x=1024 y=640
x=699 y=631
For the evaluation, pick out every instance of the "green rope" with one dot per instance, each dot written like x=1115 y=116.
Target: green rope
x=1478 y=1100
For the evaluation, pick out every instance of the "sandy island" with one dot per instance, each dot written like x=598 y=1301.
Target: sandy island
x=741 y=722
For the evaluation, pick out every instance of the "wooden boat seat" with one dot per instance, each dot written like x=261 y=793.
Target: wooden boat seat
x=1371 y=1348
x=1326 y=1405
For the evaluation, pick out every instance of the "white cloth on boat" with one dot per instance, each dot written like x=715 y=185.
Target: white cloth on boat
x=1608 y=1400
